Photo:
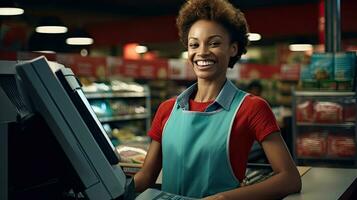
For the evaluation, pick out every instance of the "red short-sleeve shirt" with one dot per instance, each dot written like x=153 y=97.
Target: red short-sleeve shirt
x=254 y=121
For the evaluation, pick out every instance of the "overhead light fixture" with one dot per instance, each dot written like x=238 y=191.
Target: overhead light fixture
x=254 y=36
x=79 y=41
x=51 y=29
x=79 y=37
x=10 y=8
x=45 y=51
x=300 y=47
x=141 y=49
x=9 y=11
x=51 y=25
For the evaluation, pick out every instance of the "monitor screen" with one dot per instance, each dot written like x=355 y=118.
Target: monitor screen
x=73 y=88
x=55 y=98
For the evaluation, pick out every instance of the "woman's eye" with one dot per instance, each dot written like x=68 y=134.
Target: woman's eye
x=193 y=45
x=214 y=43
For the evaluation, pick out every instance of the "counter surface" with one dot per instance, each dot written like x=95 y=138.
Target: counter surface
x=319 y=183
x=324 y=183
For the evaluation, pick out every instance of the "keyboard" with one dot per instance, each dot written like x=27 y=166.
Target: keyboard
x=256 y=173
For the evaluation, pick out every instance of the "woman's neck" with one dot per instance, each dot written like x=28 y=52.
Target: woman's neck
x=208 y=90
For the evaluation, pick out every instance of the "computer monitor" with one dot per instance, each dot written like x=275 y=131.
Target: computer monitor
x=57 y=136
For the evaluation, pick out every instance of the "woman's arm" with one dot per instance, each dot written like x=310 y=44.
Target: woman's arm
x=148 y=174
x=285 y=181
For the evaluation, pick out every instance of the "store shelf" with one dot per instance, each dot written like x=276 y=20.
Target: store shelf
x=323 y=94
x=342 y=125
x=125 y=113
x=116 y=95
x=123 y=117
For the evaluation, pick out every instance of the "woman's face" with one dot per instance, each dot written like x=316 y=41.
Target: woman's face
x=209 y=49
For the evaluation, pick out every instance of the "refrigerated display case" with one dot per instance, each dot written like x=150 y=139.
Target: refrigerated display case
x=324 y=128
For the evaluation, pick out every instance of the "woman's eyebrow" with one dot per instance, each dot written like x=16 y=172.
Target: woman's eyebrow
x=210 y=37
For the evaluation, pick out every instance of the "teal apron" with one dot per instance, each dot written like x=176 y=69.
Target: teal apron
x=195 y=148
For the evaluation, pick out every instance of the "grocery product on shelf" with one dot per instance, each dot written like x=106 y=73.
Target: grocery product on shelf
x=340 y=145
x=101 y=108
x=305 y=111
x=330 y=71
x=311 y=144
x=327 y=112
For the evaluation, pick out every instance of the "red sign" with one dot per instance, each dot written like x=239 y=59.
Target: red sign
x=145 y=69
x=85 y=66
x=256 y=71
x=290 y=72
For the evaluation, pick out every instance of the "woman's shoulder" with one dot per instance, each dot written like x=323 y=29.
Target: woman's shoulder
x=255 y=101
x=167 y=105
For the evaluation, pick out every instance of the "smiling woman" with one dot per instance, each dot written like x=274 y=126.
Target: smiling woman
x=202 y=138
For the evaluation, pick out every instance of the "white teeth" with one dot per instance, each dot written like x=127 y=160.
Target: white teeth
x=204 y=62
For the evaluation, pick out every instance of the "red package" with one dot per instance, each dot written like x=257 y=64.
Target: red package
x=341 y=145
x=328 y=112
x=349 y=112
x=311 y=145
x=304 y=111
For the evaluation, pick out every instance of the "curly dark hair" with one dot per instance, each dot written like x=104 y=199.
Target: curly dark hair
x=220 y=11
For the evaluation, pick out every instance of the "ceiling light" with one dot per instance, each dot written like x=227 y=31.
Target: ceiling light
x=51 y=25
x=51 y=29
x=79 y=36
x=79 y=41
x=10 y=11
x=300 y=47
x=46 y=51
x=254 y=36
x=141 y=49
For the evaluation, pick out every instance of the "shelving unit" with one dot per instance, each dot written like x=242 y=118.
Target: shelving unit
x=126 y=111
x=324 y=128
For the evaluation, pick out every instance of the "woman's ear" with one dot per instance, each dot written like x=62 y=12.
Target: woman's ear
x=234 y=49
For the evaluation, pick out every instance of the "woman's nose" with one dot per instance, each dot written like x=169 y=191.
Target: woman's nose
x=203 y=50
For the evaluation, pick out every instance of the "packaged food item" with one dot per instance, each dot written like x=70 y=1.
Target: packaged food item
x=310 y=84
x=344 y=85
x=101 y=108
x=305 y=111
x=131 y=154
x=344 y=66
x=341 y=145
x=307 y=79
x=312 y=144
x=322 y=66
x=349 y=110
x=327 y=112
x=327 y=85
x=119 y=107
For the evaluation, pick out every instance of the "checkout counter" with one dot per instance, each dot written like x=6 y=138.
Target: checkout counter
x=327 y=184
x=323 y=183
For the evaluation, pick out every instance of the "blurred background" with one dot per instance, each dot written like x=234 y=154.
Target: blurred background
x=128 y=56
